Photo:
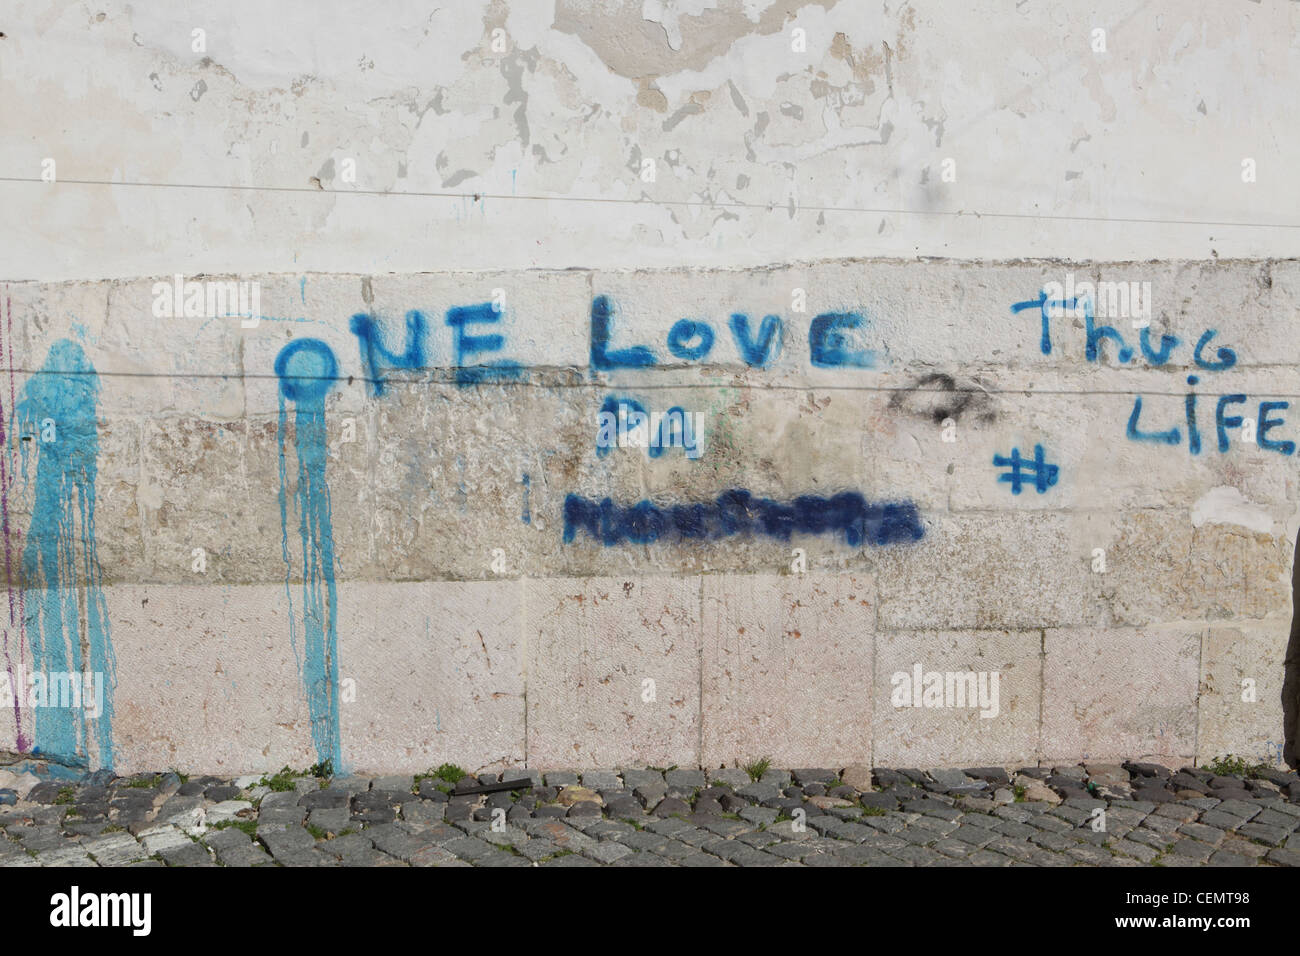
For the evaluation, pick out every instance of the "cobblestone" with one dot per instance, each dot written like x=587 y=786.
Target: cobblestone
x=801 y=817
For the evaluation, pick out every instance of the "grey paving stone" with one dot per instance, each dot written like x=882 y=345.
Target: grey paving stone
x=885 y=824
x=399 y=844
x=324 y=800
x=285 y=841
x=434 y=856
x=471 y=849
x=701 y=859
x=849 y=831
x=118 y=848
x=915 y=856
x=1125 y=815
x=1016 y=831
x=792 y=851
x=1012 y=848
x=192 y=854
x=955 y=848
x=695 y=836
x=1276 y=818
x=1224 y=858
x=632 y=779
x=725 y=827
x=668 y=827
x=279 y=799
x=38 y=838
x=949 y=814
x=732 y=776
x=1199 y=831
x=72 y=855
x=803 y=777
x=760 y=816
x=974 y=835
x=1285 y=857
x=1272 y=836
x=1177 y=811
x=758 y=792
x=750 y=856
x=1051 y=824
x=1193 y=849
x=571 y=859
x=1165 y=825
x=1150 y=838
x=1015 y=813
x=500 y=858
x=777 y=778
x=246 y=855
x=289 y=816
x=686 y=779
x=644 y=840
x=675 y=850
x=1245 y=809
x=1054 y=841
x=610 y=830
x=331 y=821
x=601 y=780
x=536 y=849
x=641 y=859
x=987 y=858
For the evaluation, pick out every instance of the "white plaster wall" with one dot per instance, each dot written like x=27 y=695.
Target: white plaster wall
x=763 y=154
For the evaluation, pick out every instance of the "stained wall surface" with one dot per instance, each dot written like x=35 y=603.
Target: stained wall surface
x=389 y=525
x=984 y=320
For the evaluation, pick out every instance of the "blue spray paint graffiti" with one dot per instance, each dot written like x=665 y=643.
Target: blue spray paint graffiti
x=760 y=353
x=737 y=512
x=466 y=346
x=307 y=370
x=60 y=562
x=692 y=340
x=1035 y=471
x=373 y=350
x=1049 y=307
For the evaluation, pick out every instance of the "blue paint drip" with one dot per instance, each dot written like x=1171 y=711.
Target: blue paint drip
x=60 y=403
x=527 y=515
x=307 y=370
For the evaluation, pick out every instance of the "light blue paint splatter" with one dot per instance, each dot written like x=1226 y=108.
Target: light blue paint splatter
x=60 y=562
x=307 y=370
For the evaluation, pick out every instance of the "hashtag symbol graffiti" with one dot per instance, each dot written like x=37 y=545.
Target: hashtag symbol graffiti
x=1035 y=471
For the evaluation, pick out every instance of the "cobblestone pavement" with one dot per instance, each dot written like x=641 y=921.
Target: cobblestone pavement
x=980 y=817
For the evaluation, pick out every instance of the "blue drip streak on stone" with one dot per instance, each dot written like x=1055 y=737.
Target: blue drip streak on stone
x=58 y=574
x=307 y=370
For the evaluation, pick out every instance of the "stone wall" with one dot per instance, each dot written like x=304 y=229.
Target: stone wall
x=366 y=520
